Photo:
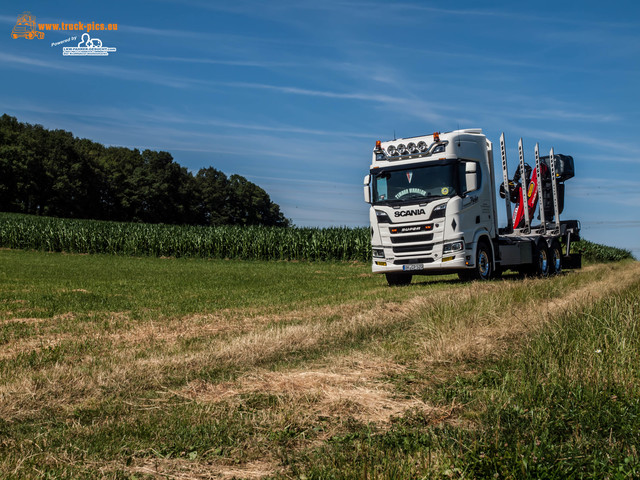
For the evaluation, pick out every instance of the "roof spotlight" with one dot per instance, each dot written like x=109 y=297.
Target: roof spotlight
x=402 y=149
x=422 y=146
x=412 y=148
x=391 y=150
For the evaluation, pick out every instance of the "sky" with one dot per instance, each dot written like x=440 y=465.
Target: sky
x=293 y=94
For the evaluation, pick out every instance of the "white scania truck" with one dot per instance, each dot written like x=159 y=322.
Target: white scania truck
x=434 y=209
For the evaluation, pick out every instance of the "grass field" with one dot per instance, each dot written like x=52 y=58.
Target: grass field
x=138 y=367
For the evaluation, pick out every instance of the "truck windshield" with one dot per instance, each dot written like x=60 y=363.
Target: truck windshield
x=413 y=183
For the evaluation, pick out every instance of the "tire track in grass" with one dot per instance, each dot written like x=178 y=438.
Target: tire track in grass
x=354 y=385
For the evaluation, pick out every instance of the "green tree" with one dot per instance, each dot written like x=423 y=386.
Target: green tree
x=50 y=172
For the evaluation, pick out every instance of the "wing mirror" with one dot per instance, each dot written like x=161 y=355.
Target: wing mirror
x=471 y=177
x=367 y=191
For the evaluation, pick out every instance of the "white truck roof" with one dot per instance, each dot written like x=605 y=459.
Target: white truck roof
x=428 y=147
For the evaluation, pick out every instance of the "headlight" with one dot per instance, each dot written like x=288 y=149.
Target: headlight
x=391 y=151
x=378 y=253
x=382 y=217
x=412 y=148
x=439 y=211
x=402 y=150
x=422 y=146
x=453 y=247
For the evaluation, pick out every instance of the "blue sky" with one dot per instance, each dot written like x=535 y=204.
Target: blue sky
x=294 y=94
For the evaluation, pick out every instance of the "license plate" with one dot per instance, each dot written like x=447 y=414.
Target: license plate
x=413 y=266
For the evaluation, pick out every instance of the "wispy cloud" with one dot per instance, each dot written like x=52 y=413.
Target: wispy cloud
x=596 y=140
x=8 y=19
x=165 y=32
x=408 y=105
x=612 y=191
x=62 y=64
x=152 y=116
x=314 y=93
x=504 y=13
x=211 y=61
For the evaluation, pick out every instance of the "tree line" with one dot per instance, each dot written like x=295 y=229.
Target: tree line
x=53 y=173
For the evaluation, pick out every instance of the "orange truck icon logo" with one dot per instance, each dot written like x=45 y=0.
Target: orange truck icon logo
x=26 y=27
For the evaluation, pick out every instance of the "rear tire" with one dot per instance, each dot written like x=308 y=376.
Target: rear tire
x=556 y=258
x=541 y=260
x=398 y=279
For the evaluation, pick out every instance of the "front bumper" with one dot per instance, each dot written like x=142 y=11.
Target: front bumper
x=449 y=262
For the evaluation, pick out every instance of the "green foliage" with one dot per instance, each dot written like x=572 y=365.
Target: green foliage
x=159 y=240
x=50 y=172
x=595 y=252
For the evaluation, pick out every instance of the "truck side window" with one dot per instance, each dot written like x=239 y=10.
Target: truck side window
x=462 y=177
x=381 y=188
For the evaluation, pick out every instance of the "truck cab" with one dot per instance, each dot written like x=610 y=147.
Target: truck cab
x=432 y=203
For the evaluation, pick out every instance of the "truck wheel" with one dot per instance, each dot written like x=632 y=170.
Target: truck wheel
x=556 y=258
x=484 y=264
x=397 y=279
x=541 y=263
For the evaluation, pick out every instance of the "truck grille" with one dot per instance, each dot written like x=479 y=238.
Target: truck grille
x=413 y=249
x=413 y=238
x=410 y=261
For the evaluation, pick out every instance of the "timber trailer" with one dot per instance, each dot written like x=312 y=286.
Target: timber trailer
x=433 y=209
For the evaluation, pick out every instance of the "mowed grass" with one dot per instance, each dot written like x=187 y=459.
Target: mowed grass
x=82 y=283
x=118 y=367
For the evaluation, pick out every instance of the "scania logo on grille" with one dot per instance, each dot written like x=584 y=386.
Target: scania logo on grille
x=410 y=213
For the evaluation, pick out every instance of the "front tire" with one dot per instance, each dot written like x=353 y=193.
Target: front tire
x=483 y=269
x=484 y=262
x=398 y=279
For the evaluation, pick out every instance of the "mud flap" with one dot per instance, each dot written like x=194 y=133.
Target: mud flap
x=573 y=261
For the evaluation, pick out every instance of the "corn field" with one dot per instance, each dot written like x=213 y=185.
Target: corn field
x=234 y=242
x=600 y=253
x=141 y=239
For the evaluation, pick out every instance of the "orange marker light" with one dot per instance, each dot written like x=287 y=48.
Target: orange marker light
x=378 y=145
x=436 y=136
